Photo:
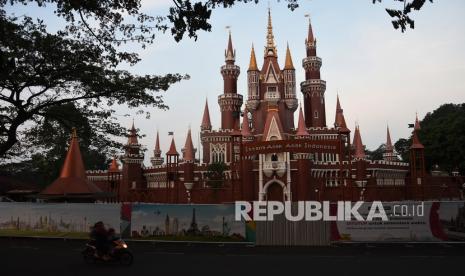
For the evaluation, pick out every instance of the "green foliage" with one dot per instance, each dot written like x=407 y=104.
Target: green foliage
x=402 y=147
x=76 y=65
x=46 y=145
x=192 y=16
x=443 y=135
x=215 y=174
x=377 y=154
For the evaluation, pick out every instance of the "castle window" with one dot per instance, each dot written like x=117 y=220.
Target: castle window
x=316 y=115
x=218 y=153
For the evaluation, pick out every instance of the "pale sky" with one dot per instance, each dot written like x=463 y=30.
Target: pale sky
x=382 y=76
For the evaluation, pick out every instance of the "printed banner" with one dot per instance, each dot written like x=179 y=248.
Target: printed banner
x=408 y=222
x=71 y=220
x=186 y=223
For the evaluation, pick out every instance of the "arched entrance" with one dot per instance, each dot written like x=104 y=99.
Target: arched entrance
x=275 y=190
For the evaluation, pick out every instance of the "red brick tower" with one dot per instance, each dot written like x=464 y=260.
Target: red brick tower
x=230 y=102
x=313 y=87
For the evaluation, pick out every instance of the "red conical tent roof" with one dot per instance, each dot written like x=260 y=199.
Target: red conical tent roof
x=301 y=128
x=72 y=180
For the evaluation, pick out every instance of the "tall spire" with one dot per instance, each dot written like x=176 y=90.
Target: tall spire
x=157 y=150
x=206 y=124
x=245 y=130
x=359 y=149
x=310 y=40
x=230 y=54
x=189 y=151
x=301 y=129
x=417 y=123
x=389 y=147
x=288 y=64
x=270 y=48
x=132 y=138
x=253 y=61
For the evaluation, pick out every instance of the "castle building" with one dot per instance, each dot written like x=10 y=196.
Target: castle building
x=260 y=153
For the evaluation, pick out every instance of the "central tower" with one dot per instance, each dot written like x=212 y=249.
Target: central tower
x=271 y=88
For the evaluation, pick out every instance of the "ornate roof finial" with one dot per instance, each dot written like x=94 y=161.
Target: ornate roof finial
x=310 y=40
x=230 y=54
x=206 y=124
x=270 y=48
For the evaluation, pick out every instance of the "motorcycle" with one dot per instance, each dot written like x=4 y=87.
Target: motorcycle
x=119 y=253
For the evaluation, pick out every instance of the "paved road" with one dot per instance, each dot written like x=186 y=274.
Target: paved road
x=57 y=257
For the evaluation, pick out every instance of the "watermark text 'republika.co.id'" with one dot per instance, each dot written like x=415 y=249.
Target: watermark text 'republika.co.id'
x=326 y=211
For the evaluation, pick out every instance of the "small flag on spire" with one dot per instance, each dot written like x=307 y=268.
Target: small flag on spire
x=170 y=133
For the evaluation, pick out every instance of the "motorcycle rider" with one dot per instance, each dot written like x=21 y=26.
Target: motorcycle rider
x=100 y=234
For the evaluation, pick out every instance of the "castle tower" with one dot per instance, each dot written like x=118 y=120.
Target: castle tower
x=313 y=88
x=133 y=159
x=230 y=102
x=417 y=155
x=157 y=160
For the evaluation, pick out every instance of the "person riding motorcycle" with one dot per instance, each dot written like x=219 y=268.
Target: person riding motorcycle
x=100 y=234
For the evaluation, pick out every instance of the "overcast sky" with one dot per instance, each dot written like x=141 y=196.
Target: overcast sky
x=382 y=76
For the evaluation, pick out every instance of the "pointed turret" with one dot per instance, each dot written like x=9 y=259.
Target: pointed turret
x=389 y=147
x=245 y=130
x=301 y=129
x=230 y=53
x=189 y=151
x=157 y=150
x=72 y=181
x=270 y=49
x=416 y=144
x=288 y=64
x=132 y=138
x=389 y=154
x=340 y=121
x=172 y=150
x=157 y=160
x=253 y=61
x=359 y=150
x=206 y=124
x=310 y=40
x=114 y=167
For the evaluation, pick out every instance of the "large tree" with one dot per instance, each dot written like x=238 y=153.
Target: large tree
x=77 y=64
